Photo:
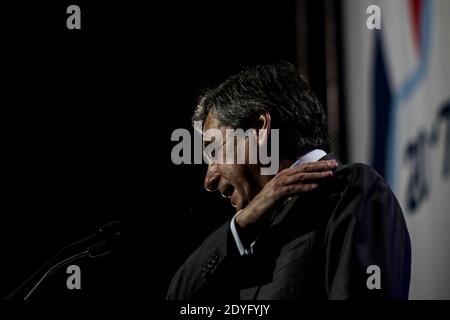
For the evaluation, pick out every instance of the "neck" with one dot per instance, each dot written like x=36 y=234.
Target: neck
x=284 y=163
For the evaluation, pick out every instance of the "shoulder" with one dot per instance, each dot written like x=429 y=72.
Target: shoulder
x=358 y=169
x=359 y=176
x=359 y=190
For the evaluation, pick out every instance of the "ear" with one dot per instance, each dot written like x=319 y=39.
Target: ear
x=264 y=125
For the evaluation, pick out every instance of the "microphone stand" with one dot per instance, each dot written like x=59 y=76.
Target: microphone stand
x=54 y=268
x=105 y=234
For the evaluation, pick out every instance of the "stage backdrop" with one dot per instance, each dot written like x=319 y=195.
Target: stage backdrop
x=397 y=81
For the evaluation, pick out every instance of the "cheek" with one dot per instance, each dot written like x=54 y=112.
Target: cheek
x=249 y=184
x=244 y=179
x=235 y=174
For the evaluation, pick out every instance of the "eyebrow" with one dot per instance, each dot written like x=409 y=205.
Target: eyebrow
x=208 y=142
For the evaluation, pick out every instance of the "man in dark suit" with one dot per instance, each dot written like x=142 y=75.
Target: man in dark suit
x=314 y=230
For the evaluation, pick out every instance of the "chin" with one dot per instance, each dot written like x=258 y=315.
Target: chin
x=238 y=201
x=241 y=205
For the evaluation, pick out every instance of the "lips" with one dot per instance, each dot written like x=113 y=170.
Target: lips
x=226 y=190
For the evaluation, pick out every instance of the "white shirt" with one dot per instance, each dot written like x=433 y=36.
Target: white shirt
x=312 y=156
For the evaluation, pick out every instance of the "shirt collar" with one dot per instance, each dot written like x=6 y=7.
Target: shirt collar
x=311 y=156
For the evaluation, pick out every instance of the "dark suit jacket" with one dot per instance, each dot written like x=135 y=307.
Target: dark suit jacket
x=318 y=246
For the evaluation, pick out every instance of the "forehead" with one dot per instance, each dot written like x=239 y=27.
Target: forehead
x=212 y=128
x=211 y=122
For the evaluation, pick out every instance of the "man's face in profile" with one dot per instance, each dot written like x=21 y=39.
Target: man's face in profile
x=238 y=182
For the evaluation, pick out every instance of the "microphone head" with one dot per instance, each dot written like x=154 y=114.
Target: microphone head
x=110 y=230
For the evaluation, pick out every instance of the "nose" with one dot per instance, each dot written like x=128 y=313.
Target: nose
x=212 y=178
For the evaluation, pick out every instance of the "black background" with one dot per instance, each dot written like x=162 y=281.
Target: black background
x=86 y=122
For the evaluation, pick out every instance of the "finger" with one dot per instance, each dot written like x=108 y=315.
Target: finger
x=307 y=176
x=323 y=165
x=299 y=188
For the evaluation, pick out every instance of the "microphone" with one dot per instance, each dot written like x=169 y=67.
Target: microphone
x=102 y=239
x=109 y=230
